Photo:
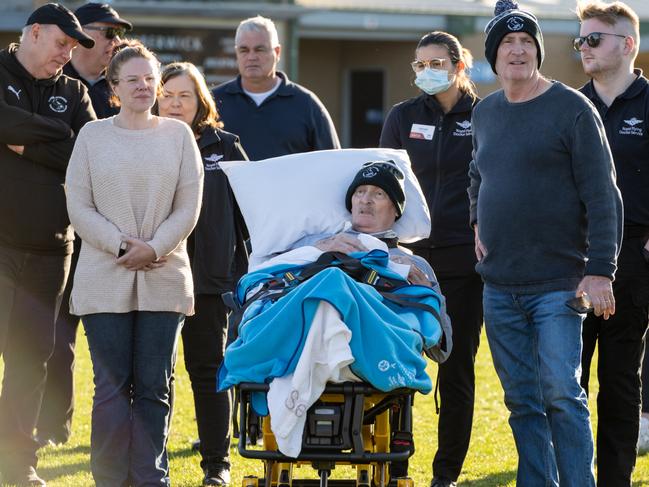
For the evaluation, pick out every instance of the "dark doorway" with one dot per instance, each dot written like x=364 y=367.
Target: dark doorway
x=366 y=108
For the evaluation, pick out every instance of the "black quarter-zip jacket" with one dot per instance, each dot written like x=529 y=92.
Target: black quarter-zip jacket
x=441 y=164
x=626 y=123
x=216 y=247
x=44 y=116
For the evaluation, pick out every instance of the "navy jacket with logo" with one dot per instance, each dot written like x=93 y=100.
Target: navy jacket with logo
x=627 y=122
x=290 y=120
x=44 y=116
x=441 y=163
x=216 y=247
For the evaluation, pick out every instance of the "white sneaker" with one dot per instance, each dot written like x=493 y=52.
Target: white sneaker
x=643 y=436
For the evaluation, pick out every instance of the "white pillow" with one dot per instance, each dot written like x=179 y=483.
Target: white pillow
x=286 y=198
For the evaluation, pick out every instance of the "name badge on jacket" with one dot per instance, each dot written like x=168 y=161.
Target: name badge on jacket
x=419 y=131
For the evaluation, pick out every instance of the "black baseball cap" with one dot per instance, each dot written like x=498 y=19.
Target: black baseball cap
x=55 y=14
x=100 y=12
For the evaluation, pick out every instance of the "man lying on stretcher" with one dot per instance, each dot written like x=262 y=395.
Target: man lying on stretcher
x=376 y=200
x=332 y=327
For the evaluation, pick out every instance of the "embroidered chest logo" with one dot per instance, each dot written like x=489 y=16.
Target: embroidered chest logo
x=515 y=24
x=14 y=91
x=212 y=162
x=58 y=104
x=632 y=127
x=464 y=130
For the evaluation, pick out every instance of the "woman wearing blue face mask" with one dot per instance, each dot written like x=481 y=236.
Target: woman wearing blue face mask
x=435 y=129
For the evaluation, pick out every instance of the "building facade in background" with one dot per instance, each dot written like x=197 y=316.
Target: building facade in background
x=354 y=54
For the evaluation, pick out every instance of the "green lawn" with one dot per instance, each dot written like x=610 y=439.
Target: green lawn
x=491 y=460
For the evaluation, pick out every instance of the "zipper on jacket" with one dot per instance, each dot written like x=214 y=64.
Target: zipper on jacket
x=438 y=169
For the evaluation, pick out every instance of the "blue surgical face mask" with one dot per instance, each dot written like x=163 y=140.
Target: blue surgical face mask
x=433 y=81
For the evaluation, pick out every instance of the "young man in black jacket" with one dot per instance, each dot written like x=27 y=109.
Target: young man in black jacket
x=608 y=43
x=40 y=113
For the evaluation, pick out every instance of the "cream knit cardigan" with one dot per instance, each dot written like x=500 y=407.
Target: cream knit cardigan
x=145 y=184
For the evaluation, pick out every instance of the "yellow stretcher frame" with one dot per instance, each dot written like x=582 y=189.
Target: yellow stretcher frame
x=368 y=412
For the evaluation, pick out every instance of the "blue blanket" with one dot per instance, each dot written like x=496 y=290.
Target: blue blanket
x=387 y=338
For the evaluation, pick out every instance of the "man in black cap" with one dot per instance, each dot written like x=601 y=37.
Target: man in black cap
x=549 y=214
x=41 y=111
x=102 y=23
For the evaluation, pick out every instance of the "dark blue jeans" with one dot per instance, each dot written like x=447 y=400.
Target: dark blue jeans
x=133 y=356
x=535 y=342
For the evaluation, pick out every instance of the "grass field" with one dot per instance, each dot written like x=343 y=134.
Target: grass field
x=491 y=460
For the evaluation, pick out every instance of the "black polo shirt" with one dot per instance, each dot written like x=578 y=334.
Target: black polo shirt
x=627 y=123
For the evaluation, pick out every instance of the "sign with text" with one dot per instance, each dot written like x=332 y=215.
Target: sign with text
x=211 y=50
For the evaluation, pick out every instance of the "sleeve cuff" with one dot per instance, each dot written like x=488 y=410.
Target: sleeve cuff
x=595 y=268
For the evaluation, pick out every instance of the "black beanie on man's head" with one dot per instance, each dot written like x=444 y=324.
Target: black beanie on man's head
x=384 y=174
x=508 y=18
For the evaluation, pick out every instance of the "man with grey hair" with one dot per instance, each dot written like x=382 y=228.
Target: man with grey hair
x=272 y=115
x=547 y=217
x=41 y=111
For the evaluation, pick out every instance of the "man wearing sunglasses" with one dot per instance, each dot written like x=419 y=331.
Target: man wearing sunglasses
x=101 y=23
x=608 y=43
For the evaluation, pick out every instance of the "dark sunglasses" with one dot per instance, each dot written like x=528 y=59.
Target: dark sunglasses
x=388 y=165
x=109 y=32
x=593 y=39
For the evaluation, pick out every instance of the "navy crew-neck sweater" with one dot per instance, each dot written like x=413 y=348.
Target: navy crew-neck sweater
x=543 y=192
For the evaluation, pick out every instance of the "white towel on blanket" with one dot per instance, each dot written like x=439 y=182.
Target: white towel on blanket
x=325 y=358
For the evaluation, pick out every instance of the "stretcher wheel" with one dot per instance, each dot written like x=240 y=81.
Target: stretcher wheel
x=250 y=481
x=270 y=468
x=407 y=482
x=380 y=477
x=284 y=476
x=363 y=476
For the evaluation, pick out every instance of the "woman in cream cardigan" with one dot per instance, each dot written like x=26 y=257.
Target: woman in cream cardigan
x=134 y=186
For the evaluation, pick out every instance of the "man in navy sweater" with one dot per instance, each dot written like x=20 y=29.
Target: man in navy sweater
x=549 y=214
x=272 y=115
